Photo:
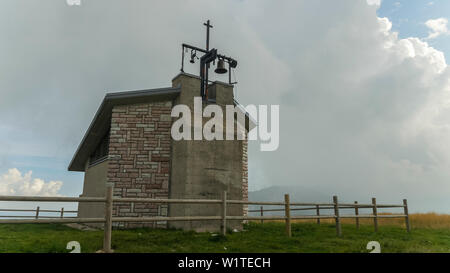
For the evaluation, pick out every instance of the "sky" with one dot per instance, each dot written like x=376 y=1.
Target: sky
x=363 y=87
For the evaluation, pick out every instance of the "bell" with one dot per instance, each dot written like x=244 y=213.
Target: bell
x=193 y=56
x=221 y=67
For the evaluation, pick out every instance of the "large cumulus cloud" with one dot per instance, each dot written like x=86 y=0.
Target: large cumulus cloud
x=366 y=114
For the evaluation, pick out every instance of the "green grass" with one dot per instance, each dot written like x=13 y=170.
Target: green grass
x=267 y=237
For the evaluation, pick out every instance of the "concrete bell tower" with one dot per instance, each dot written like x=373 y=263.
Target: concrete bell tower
x=202 y=169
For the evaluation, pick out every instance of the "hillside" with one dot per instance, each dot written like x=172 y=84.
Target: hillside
x=276 y=194
x=297 y=193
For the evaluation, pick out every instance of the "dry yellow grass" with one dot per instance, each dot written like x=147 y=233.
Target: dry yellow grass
x=417 y=220
x=430 y=220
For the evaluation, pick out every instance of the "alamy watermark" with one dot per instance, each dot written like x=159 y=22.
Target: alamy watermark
x=73 y=2
x=374 y=246
x=192 y=126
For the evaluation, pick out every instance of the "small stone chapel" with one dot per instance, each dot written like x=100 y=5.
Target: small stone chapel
x=129 y=144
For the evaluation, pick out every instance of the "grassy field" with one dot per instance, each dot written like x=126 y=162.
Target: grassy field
x=267 y=237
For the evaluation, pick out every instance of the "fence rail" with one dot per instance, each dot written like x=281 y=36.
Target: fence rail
x=317 y=207
x=108 y=200
x=37 y=214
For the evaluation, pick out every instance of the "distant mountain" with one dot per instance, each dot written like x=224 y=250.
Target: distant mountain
x=296 y=193
x=276 y=194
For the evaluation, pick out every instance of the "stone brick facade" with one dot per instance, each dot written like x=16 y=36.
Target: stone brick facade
x=139 y=158
x=245 y=173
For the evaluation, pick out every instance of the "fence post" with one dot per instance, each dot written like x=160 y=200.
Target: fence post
x=262 y=214
x=62 y=212
x=336 y=214
x=405 y=208
x=375 y=214
x=357 y=213
x=318 y=214
x=287 y=210
x=108 y=219
x=224 y=213
x=37 y=213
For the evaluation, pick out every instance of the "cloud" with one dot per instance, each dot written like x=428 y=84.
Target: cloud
x=438 y=27
x=367 y=112
x=362 y=112
x=14 y=183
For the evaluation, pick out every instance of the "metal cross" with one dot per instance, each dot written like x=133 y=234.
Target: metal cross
x=208 y=26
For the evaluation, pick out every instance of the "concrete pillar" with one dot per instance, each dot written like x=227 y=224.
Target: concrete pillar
x=202 y=169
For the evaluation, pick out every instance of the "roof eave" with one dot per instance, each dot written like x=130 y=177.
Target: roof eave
x=103 y=114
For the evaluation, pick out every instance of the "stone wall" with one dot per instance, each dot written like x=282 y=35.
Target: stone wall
x=139 y=158
x=245 y=173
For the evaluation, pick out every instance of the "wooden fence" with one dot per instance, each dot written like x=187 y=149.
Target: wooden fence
x=37 y=213
x=336 y=207
x=109 y=219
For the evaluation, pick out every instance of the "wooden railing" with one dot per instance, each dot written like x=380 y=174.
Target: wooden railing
x=37 y=213
x=224 y=202
x=336 y=206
